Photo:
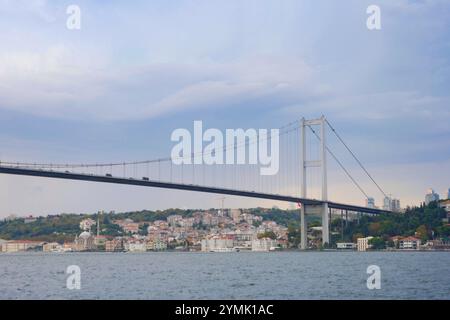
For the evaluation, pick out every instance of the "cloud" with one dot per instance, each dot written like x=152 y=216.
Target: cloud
x=37 y=8
x=386 y=92
x=57 y=83
x=378 y=106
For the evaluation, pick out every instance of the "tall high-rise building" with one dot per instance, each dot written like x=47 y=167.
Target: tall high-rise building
x=391 y=204
x=387 y=203
x=431 y=196
x=395 y=205
x=370 y=202
x=448 y=193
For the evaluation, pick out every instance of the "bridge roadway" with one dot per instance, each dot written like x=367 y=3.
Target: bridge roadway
x=180 y=186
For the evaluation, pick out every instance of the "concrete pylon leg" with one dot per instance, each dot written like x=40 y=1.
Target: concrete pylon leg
x=325 y=224
x=303 y=229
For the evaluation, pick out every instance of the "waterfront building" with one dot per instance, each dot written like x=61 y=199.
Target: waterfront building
x=135 y=246
x=156 y=245
x=264 y=244
x=363 y=243
x=217 y=244
x=20 y=245
x=114 y=245
x=68 y=246
x=52 y=247
x=84 y=242
x=409 y=243
x=346 y=245
x=431 y=196
x=100 y=240
x=436 y=245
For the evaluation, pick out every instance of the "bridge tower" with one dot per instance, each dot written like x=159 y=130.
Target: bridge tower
x=304 y=164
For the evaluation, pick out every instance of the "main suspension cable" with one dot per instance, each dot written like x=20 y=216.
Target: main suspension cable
x=356 y=158
x=340 y=164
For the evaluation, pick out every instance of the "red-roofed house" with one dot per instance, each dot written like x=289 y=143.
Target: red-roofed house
x=409 y=243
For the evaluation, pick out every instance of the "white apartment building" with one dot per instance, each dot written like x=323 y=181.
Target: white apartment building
x=136 y=246
x=157 y=245
x=363 y=243
x=264 y=244
x=217 y=244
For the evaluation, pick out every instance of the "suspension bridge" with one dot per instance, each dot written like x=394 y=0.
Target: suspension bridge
x=297 y=158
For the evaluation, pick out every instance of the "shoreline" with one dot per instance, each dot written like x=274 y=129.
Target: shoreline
x=235 y=252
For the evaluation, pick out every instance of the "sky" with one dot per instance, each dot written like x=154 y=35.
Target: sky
x=115 y=89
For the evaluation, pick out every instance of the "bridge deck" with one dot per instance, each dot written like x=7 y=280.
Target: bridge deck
x=179 y=186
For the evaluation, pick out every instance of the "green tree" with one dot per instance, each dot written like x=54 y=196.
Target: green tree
x=267 y=234
x=143 y=229
x=422 y=232
x=377 y=243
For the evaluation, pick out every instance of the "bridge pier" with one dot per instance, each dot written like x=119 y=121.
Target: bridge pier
x=321 y=162
x=322 y=210
x=325 y=224
x=303 y=229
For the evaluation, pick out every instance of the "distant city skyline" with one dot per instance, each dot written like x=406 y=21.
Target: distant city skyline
x=118 y=87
